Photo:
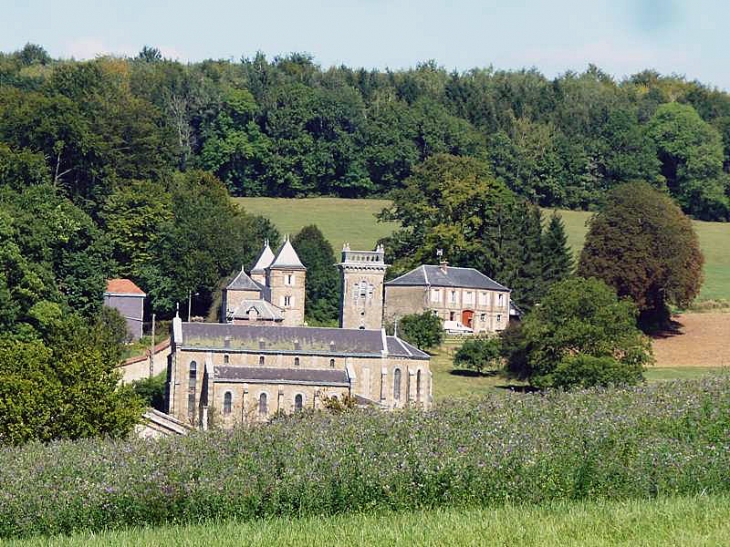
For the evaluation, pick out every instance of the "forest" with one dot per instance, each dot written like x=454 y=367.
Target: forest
x=123 y=166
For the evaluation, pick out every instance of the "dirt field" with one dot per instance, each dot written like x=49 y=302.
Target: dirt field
x=700 y=340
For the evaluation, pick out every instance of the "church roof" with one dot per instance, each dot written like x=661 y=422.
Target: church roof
x=287 y=258
x=265 y=259
x=430 y=275
x=265 y=310
x=242 y=282
x=281 y=375
x=312 y=340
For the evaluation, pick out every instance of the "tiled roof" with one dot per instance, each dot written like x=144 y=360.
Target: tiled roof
x=319 y=340
x=281 y=375
x=434 y=276
x=287 y=258
x=265 y=310
x=401 y=348
x=265 y=259
x=242 y=282
x=123 y=286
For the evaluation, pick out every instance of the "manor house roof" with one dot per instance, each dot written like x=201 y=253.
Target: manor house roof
x=302 y=340
x=265 y=310
x=430 y=275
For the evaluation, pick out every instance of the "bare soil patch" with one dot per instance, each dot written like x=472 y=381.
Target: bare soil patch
x=696 y=340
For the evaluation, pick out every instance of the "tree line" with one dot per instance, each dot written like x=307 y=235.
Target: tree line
x=288 y=127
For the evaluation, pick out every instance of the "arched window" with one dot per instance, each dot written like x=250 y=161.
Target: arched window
x=192 y=383
x=396 y=384
x=227 y=402
x=332 y=363
x=298 y=402
x=418 y=386
x=262 y=360
x=296 y=361
x=263 y=406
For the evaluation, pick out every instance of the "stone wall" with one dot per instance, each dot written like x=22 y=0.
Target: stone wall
x=281 y=288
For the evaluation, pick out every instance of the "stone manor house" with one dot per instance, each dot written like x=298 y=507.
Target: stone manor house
x=261 y=358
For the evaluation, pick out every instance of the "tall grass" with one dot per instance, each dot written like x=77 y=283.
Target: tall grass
x=668 y=439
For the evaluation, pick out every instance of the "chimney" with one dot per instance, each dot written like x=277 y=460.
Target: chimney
x=444 y=265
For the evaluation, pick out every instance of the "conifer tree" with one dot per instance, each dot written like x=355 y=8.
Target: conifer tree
x=557 y=259
x=323 y=279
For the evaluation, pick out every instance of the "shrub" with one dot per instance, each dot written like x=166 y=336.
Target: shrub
x=152 y=390
x=479 y=354
x=588 y=371
x=423 y=330
x=660 y=440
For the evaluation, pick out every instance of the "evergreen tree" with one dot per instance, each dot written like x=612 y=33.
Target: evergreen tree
x=557 y=259
x=323 y=279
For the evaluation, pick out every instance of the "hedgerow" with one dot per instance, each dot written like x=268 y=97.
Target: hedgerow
x=659 y=440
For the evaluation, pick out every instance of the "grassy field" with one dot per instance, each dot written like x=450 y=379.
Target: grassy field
x=353 y=221
x=690 y=521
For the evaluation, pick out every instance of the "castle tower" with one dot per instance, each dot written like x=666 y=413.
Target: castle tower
x=258 y=272
x=286 y=280
x=361 y=303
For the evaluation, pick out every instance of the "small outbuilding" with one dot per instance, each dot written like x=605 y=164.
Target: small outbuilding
x=128 y=299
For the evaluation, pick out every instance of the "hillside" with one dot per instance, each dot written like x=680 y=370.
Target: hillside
x=353 y=221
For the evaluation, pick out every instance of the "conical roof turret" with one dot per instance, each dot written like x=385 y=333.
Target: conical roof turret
x=265 y=259
x=287 y=258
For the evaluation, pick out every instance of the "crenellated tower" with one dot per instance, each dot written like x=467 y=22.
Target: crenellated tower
x=363 y=273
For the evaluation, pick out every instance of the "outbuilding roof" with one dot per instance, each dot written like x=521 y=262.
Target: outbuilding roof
x=265 y=310
x=430 y=275
x=122 y=286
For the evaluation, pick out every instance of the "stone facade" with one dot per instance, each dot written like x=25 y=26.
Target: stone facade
x=218 y=373
x=274 y=293
x=128 y=299
x=361 y=301
x=460 y=295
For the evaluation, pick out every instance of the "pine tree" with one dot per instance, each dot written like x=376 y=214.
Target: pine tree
x=557 y=259
x=323 y=279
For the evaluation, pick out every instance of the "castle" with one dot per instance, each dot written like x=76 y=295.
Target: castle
x=261 y=360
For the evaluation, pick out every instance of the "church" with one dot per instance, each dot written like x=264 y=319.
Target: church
x=261 y=359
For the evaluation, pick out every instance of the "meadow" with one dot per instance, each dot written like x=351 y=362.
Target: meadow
x=659 y=441
x=353 y=221
x=665 y=522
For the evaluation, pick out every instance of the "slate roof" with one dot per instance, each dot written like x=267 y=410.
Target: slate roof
x=287 y=258
x=313 y=340
x=266 y=310
x=281 y=375
x=265 y=259
x=430 y=275
x=242 y=282
x=123 y=286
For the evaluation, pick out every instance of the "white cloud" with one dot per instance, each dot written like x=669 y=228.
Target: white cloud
x=89 y=48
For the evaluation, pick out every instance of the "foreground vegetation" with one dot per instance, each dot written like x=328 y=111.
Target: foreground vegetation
x=684 y=521
x=668 y=439
x=353 y=220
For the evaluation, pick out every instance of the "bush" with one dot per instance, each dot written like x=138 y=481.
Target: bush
x=660 y=440
x=479 y=354
x=587 y=371
x=152 y=391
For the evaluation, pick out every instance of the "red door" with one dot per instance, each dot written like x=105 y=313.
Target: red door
x=466 y=318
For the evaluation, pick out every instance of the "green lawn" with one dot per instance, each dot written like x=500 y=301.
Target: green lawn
x=687 y=522
x=353 y=221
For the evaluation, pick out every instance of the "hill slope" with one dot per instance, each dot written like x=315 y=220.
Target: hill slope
x=353 y=221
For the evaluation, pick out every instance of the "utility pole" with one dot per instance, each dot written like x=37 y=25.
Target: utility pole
x=190 y=303
x=152 y=348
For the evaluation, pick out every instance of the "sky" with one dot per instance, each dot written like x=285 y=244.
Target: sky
x=622 y=37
